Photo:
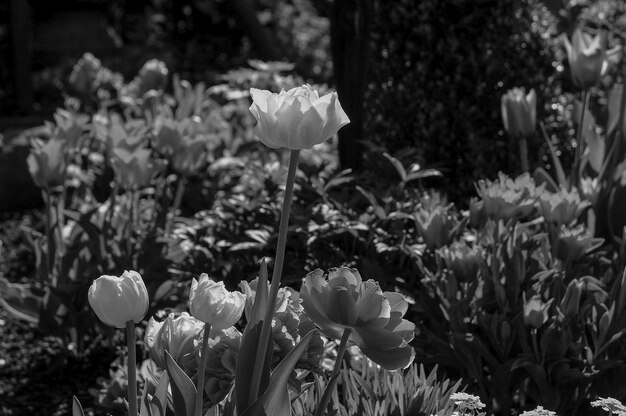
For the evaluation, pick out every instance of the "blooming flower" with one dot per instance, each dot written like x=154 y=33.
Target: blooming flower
x=467 y=402
x=117 y=300
x=46 y=163
x=573 y=243
x=210 y=302
x=289 y=325
x=588 y=59
x=519 y=112
x=536 y=311
x=435 y=226
x=343 y=301
x=175 y=335
x=610 y=404
x=561 y=207
x=462 y=260
x=506 y=198
x=134 y=170
x=296 y=119
x=539 y=411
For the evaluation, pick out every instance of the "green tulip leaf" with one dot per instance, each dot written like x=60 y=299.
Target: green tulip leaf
x=246 y=365
x=183 y=389
x=148 y=391
x=275 y=400
x=77 y=409
x=20 y=301
x=158 y=404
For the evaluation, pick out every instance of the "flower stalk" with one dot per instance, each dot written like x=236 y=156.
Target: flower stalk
x=579 y=137
x=178 y=197
x=276 y=274
x=132 y=368
x=330 y=387
x=201 y=370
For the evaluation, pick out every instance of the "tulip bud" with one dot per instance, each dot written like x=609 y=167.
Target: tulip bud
x=210 y=302
x=588 y=59
x=175 y=335
x=84 y=75
x=117 y=300
x=536 y=311
x=190 y=157
x=519 y=112
x=296 y=119
x=134 y=170
x=435 y=226
x=46 y=163
x=152 y=76
x=571 y=300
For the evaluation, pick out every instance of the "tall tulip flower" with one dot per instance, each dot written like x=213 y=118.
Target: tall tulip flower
x=175 y=335
x=519 y=112
x=344 y=301
x=210 y=302
x=587 y=57
x=46 y=163
x=296 y=119
x=122 y=301
x=117 y=300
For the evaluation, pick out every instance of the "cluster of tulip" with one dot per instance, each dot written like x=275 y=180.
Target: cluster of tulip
x=340 y=304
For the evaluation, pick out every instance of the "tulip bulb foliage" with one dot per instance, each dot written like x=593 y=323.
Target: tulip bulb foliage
x=296 y=119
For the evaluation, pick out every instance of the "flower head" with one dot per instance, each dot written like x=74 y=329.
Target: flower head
x=466 y=402
x=134 y=170
x=610 y=404
x=507 y=198
x=341 y=300
x=539 y=411
x=296 y=119
x=519 y=112
x=588 y=59
x=462 y=260
x=561 y=207
x=210 y=302
x=46 y=163
x=175 y=335
x=536 y=311
x=117 y=300
x=435 y=226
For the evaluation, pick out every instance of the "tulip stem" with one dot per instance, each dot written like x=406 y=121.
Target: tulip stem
x=576 y=171
x=255 y=383
x=49 y=235
x=132 y=368
x=201 y=370
x=180 y=190
x=330 y=387
x=523 y=150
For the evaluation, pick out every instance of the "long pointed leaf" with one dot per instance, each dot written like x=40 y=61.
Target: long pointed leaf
x=77 y=409
x=183 y=389
x=246 y=365
x=275 y=400
x=558 y=167
x=158 y=404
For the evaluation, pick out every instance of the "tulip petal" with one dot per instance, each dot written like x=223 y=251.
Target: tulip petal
x=385 y=348
x=341 y=306
x=373 y=309
x=335 y=117
x=260 y=98
x=343 y=276
x=314 y=295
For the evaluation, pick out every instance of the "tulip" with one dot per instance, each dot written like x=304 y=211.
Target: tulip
x=435 y=226
x=118 y=300
x=343 y=302
x=505 y=198
x=573 y=243
x=210 y=302
x=462 y=260
x=175 y=335
x=519 y=112
x=46 y=163
x=571 y=300
x=562 y=207
x=296 y=119
x=588 y=59
x=168 y=137
x=134 y=170
x=84 y=76
x=152 y=76
x=190 y=157
x=536 y=311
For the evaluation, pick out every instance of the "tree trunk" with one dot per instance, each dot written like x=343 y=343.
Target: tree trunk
x=350 y=26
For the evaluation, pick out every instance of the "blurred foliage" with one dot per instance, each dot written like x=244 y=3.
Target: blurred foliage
x=438 y=71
